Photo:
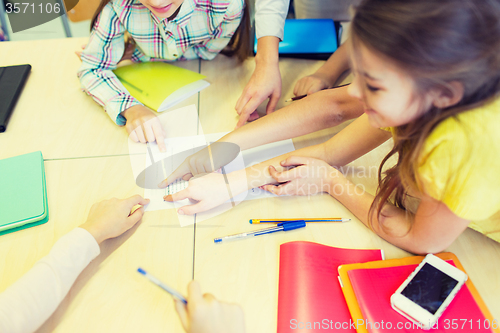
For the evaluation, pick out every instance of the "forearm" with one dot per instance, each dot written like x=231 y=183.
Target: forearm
x=105 y=88
x=318 y=111
x=267 y=51
x=100 y=57
x=430 y=230
x=336 y=65
x=258 y=175
x=28 y=303
x=354 y=141
x=395 y=220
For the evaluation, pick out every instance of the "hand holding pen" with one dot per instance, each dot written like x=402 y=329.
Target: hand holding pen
x=203 y=313
x=296 y=98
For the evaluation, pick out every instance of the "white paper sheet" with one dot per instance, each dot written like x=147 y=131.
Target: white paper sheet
x=188 y=145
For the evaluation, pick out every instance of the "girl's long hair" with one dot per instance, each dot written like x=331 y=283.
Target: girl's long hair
x=436 y=42
x=238 y=46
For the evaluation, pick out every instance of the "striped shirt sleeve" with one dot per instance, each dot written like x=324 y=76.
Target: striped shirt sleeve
x=222 y=34
x=101 y=55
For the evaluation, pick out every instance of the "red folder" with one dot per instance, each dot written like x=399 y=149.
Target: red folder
x=373 y=288
x=310 y=298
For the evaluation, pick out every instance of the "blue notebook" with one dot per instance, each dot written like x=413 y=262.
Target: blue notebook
x=309 y=38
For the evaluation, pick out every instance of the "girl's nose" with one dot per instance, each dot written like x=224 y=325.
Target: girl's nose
x=354 y=88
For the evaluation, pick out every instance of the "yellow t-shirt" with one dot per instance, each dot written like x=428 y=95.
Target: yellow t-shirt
x=460 y=166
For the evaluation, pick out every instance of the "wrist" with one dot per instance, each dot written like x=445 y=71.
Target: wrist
x=237 y=182
x=327 y=76
x=263 y=61
x=267 y=51
x=94 y=232
x=336 y=183
x=133 y=110
x=126 y=113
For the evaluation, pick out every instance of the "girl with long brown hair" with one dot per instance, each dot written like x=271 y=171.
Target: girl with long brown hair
x=426 y=73
x=429 y=71
x=160 y=30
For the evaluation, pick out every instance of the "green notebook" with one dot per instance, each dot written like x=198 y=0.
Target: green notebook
x=23 y=193
x=159 y=85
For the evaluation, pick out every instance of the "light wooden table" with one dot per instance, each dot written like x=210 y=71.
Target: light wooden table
x=246 y=271
x=109 y=296
x=87 y=161
x=53 y=114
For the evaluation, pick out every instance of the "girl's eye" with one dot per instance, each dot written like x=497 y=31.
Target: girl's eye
x=372 y=88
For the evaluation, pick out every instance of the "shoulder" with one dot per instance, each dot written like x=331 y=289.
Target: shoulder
x=468 y=132
x=459 y=162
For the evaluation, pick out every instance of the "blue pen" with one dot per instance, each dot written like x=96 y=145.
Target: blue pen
x=283 y=226
x=162 y=285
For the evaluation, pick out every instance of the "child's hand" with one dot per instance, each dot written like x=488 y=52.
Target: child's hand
x=204 y=314
x=310 y=176
x=196 y=164
x=208 y=191
x=111 y=218
x=311 y=84
x=144 y=126
x=207 y=160
x=79 y=53
x=265 y=83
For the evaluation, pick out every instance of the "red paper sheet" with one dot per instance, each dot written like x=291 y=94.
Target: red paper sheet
x=310 y=298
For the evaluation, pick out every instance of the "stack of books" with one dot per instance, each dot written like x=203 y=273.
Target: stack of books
x=23 y=193
x=323 y=288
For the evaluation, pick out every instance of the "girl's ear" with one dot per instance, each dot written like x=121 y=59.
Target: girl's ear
x=449 y=95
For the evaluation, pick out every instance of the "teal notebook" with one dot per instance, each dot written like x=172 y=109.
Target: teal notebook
x=23 y=193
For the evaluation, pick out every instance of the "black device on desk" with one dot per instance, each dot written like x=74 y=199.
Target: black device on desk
x=12 y=79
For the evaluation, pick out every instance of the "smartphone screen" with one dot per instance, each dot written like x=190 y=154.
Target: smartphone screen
x=429 y=288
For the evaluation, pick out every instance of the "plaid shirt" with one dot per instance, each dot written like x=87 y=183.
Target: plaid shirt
x=201 y=29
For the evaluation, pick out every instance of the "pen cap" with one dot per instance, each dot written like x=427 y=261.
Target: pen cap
x=293 y=225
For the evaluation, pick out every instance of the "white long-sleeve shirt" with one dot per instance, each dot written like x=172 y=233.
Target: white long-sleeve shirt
x=30 y=301
x=270 y=17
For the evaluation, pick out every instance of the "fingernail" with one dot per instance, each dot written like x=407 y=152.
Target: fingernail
x=180 y=212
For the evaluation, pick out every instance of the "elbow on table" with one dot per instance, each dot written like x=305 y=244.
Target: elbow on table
x=424 y=248
x=415 y=244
